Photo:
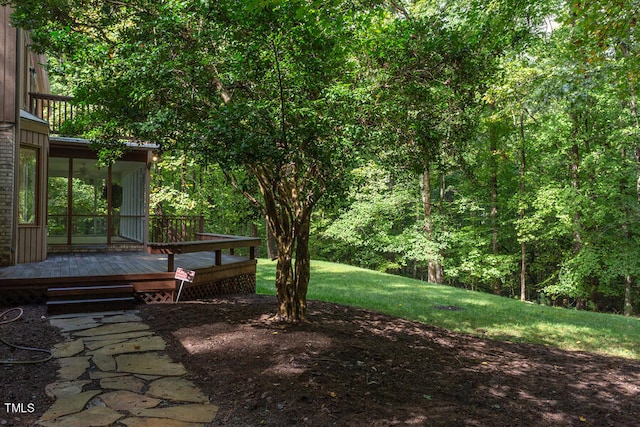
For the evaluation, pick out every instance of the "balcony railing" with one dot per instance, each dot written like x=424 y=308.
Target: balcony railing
x=56 y=110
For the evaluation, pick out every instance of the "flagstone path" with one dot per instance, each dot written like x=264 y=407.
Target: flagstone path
x=113 y=371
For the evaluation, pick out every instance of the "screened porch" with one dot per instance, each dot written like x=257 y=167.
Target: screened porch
x=96 y=207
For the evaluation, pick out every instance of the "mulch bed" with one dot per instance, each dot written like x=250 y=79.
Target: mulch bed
x=351 y=367
x=22 y=385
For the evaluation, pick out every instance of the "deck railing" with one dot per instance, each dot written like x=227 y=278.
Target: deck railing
x=56 y=110
x=94 y=229
x=207 y=242
x=168 y=229
x=162 y=229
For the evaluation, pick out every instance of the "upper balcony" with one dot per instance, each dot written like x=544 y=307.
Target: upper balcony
x=58 y=110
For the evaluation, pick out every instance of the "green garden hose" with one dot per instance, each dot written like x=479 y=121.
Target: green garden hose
x=21 y=362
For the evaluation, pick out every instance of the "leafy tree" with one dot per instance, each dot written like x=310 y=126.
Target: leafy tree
x=266 y=88
x=183 y=187
x=579 y=171
x=436 y=60
x=422 y=101
x=603 y=37
x=381 y=228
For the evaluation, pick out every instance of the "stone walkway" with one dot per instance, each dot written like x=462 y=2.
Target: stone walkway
x=114 y=372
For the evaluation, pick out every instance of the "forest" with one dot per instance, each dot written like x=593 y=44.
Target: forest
x=490 y=145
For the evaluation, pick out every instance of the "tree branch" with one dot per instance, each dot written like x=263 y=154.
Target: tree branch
x=234 y=183
x=281 y=90
x=398 y=7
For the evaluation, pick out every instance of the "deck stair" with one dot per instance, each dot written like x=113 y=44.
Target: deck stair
x=86 y=299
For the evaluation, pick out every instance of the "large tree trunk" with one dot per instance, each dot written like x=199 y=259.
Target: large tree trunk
x=629 y=280
x=575 y=183
x=284 y=281
x=629 y=283
x=523 y=271
x=292 y=276
x=290 y=219
x=302 y=266
x=435 y=270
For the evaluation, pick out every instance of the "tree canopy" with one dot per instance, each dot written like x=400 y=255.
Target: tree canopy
x=491 y=145
x=267 y=87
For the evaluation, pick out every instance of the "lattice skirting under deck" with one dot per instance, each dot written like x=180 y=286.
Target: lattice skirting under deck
x=154 y=297
x=243 y=284
x=203 y=289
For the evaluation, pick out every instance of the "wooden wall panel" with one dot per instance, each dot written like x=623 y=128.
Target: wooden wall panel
x=27 y=238
x=7 y=67
x=32 y=239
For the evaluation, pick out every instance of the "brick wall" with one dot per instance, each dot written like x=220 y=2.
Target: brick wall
x=7 y=170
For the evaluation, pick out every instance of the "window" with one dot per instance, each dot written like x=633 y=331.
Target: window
x=28 y=185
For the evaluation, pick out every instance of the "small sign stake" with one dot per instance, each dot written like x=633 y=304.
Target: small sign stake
x=183 y=276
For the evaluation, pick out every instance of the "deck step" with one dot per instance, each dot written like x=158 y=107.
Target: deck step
x=90 y=305
x=79 y=292
x=87 y=299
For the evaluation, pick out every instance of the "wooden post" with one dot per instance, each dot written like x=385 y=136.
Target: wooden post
x=109 y=203
x=170 y=262
x=70 y=202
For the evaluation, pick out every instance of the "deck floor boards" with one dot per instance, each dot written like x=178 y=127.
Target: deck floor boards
x=109 y=264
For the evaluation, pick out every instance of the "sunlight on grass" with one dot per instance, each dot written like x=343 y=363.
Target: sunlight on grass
x=466 y=311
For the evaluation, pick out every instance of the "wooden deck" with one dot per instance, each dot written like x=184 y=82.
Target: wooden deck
x=61 y=266
x=27 y=283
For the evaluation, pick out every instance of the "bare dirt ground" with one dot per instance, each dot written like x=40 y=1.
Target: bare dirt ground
x=350 y=367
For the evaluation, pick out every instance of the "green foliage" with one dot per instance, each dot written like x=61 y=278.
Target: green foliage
x=182 y=187
x=549 y=119
x=381 y=228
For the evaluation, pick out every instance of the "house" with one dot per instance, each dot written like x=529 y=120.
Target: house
x=24 y=151
x=55 y=199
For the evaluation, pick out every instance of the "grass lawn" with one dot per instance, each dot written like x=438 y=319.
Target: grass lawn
x=475 y=312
